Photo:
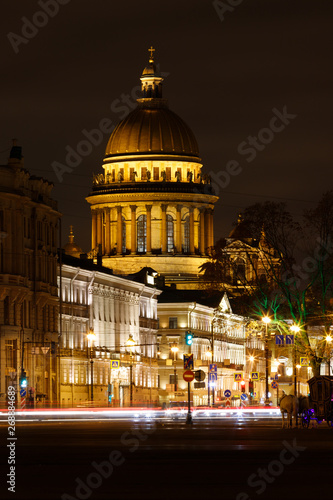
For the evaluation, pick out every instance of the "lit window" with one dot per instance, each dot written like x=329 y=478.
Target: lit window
x=170 y=233
x=142 y=233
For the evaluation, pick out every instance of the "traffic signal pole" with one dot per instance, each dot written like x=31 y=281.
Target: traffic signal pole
x=189 y=414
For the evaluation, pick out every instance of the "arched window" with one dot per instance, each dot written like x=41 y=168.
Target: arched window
x=239 y=268
x=123 y=230
x=142 y=233
x=186 y=241
x=170 y=233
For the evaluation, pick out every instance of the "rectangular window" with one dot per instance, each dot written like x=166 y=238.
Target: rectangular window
x=156 y=174
x=144 y=173
x=168 y=173
x=172 y=379
x=173 y=323
x=113 y=175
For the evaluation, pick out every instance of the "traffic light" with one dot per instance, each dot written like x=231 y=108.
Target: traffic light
x=23 y=380
x=243 y=385
x=251 y=389
x=188 y=338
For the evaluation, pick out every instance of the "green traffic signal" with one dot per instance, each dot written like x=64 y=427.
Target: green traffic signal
x=189 y=338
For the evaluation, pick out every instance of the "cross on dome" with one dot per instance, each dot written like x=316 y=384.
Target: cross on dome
x=151 y=50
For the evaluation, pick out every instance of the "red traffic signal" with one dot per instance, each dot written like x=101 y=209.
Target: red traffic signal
x=243 y=385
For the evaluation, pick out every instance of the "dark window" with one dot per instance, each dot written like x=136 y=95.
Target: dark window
x=123 y=229
x=173 y=323
x=144 y=173
x=168 y=173
x=239 y=271
x=142 y=233
x=186 y=245
x=170 y=233
x=156 y=174
x=172 y=379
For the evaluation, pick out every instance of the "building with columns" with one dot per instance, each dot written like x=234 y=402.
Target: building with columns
x=153 y=205
x=28 y=280
x=114 y=309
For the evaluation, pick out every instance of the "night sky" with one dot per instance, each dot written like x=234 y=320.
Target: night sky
x=224 y=79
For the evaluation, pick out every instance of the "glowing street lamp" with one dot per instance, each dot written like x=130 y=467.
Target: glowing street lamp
x=266 y=320
x=91 y=336
x=131 y=343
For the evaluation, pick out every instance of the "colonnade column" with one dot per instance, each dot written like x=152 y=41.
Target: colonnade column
x=93 y=229
x=179 y=229
x=191 y=209
x=99 y=227
x=211 y=228
x=207 y=240
x=119 y=230
x=133 y=229
x=107 y=232
x=148 y=209
x=164 y=228
x=202 y=231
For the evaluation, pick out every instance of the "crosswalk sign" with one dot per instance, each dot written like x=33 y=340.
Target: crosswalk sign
x=238 y=377
x=304 y=362
x=255 y=376
x=115 y=363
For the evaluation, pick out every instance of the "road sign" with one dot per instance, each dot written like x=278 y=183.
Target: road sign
x=290 y=339
x=188 y=361
x=212 y=377
x=255 y=376
x=45 y=350
x=274 y=384
x=279 y=339
x=244 y=397
x=213 y=368
x=23 y=393
x=227 y=393
x=188 y=376
x=115 y=363
x=199 y=375
x=238 y=377
x=304 y=362
x=227 y=403
x=199 y=385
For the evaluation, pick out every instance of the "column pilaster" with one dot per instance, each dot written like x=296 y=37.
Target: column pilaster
x=148 y=209
x=179 y=229
x=107 y=232
x=93 y=229
x=119 y=230
x=133 y=229
x=191 y=209
x=164 y=228
x=202 y=231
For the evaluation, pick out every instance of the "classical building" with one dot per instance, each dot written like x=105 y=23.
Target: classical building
x=219 y=337
x=153 y=205
x=115 y=310
x=28 y=280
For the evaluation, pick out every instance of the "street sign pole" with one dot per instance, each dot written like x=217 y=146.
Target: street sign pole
x=189 y=414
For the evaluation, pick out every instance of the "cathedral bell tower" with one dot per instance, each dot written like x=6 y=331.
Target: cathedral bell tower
x=153 y=205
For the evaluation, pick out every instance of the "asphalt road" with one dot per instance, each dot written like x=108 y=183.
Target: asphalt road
x=167 y=459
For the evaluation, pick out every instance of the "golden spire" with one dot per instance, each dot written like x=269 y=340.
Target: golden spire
x=71 y=235
x=151 y=50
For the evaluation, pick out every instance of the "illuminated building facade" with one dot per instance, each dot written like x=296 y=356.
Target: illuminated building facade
x=28 y=280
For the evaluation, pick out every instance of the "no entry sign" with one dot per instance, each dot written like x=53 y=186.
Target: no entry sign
x=188 y=376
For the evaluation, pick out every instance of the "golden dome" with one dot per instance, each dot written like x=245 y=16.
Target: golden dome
x=72 y=248
x=152 y=129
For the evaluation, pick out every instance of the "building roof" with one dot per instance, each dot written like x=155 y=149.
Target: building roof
x=152 y=128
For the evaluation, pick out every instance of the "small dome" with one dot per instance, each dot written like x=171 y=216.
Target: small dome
x=71 y=248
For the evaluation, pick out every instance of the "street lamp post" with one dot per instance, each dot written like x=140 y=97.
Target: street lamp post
x=91 y=337
x=209 y=356
x=295 y=329
x=175 y=349
x=130 y=343
x=329 y=340
x=266 y=320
